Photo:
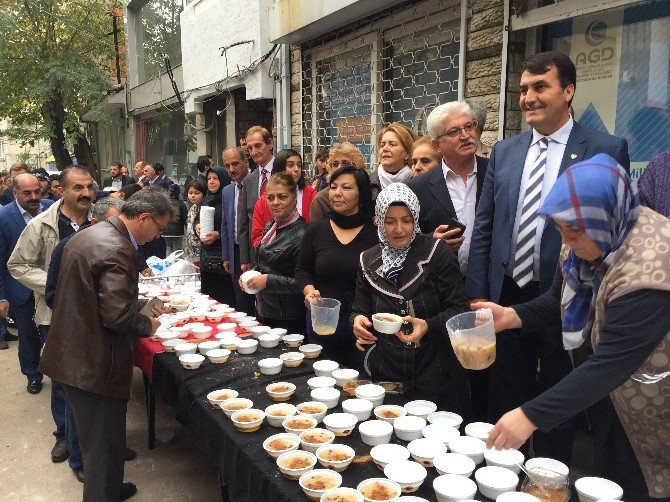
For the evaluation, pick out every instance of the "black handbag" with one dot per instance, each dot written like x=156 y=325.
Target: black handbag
x=210 y=259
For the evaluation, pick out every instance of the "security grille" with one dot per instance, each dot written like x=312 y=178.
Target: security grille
x=395 y=67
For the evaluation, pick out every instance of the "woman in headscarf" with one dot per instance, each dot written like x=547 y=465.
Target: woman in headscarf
x=288 y=161
x=417 y=278
x=212 y=274
x=329 y=256
x=611 y=294
x=279 y=300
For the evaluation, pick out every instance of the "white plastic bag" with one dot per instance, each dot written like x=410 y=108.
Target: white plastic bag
x=180 y=267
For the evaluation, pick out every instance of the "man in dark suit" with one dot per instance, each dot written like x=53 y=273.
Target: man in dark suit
x=13 y=219
x=8 y=194
x=117 y=179
x=236 y=163
x=514 y=253
x=153 y=177
x=261 y=145
x=451 y=190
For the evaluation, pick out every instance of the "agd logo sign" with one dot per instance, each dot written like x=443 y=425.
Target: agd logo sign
x=595 y=35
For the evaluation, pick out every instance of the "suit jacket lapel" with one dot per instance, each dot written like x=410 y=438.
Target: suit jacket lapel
x=516 y=162
x=19 y=217
x=440 y=191
x=481 y=174
x=574 y=148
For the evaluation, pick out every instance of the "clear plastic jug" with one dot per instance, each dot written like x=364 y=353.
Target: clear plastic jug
x=325 y=314
x=473 y=338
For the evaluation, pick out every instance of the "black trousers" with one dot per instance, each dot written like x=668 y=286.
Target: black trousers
x=101 y=426
x=515 y=378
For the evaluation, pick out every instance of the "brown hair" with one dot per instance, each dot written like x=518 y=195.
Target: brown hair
x=267 y=136
x=406 y=136
x=283 y=178
x=349 y=151
x=426 y=140
x=19 y=166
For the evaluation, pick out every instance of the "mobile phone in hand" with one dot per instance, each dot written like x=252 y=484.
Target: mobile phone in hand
x=147 y=310
x=454 y=223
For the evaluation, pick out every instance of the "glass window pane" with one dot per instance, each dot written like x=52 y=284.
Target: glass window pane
x=158 y=35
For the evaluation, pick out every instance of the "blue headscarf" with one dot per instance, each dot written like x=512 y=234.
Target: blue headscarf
x=597 y=196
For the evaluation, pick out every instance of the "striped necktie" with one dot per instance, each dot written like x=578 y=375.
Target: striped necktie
x=264 y=180
x=525 y=241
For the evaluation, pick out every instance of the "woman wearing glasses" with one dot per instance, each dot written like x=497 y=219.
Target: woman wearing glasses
x=394 y=147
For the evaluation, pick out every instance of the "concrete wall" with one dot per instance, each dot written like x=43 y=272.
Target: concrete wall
x=208 y=27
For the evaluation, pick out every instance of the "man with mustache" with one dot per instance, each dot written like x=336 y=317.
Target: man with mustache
x=29 y=264
x=514 y=252
x=452 y=192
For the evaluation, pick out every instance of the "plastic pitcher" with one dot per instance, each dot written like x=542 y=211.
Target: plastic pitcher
x=473 y=338
x=325 y=315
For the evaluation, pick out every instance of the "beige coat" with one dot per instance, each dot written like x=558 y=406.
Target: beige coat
x=29 y=262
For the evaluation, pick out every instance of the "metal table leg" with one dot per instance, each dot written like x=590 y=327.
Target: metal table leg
x=150 y=401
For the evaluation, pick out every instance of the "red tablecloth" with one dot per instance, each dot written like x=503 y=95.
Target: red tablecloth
x=146 y=348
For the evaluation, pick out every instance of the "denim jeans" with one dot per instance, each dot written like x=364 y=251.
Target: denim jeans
x=30 y=340
x=64 y=419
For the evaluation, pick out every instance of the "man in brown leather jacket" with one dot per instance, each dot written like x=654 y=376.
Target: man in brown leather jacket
x=90 y=349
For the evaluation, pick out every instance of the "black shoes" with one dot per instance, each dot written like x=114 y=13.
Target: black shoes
x=59 y=453
x=129 y=455
x=79 y=474
x=127 y=491
x=34 y=387
x=11 y=338
x=3 y=345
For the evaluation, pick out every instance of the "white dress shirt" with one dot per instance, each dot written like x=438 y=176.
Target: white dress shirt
x=464 y=198
x=267 y=168
x=238 y=187
x=26 y=215
x=117 y=183
x=555 y=151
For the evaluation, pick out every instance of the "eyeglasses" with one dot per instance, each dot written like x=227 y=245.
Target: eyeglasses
x=336 y=163
x=160 y=229
x=456 y=131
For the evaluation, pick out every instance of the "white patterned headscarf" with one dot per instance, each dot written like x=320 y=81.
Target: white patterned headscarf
x=393 y=259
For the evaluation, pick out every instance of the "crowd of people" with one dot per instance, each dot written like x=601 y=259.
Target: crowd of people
x=550 y=233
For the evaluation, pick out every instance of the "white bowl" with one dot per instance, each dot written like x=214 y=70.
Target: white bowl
x=591 y=488
x=389 y=412
x=278 y=331
x=205 y=347
x=388 y=324
x=185 y=348
x=360 y=408
x=289 y=442
x=494 y=481
x=218 y=356
x=420 y=408
x=229 y=342
x=440 y=432
x=342 y=375
x=218 y=397
x=179 y=305
x=320 y=476
x=249 y=319
x=452 y=488
x=320 y=381
x=164 y=336
x=409 y=475
x=280 y=391
x=247 y=326
x=326 y=395
x=375 y=432
x=454 y=463
x=472 y=447
x=245 y=346
x=201 y=332
x=270 y=365
x=292 y=341
x=242 y=419
x=292 y=359
x=236 y=316
x=344 y=455
x=394 y=489
x=341 y=424
x=372 y=392
x=298 y=423
x=230 y=406
x=294 y=473
x=314 y=409
x=507 y=458
x=169 y=345
x=257 y=331
x=183 y=331
x=325 y=368
x=245 y=277
x=199 y=315
x=227 y=327
x=313 y=439
x=517 y=497
x=268 y=341
x=310 y=350
x=453 y=419
x=215 y=316
x=548 y=464
x=384 y=454
x=425 y=450
x=409 y=427
x=479 y=430
x=341 y=494
x=275 y=414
